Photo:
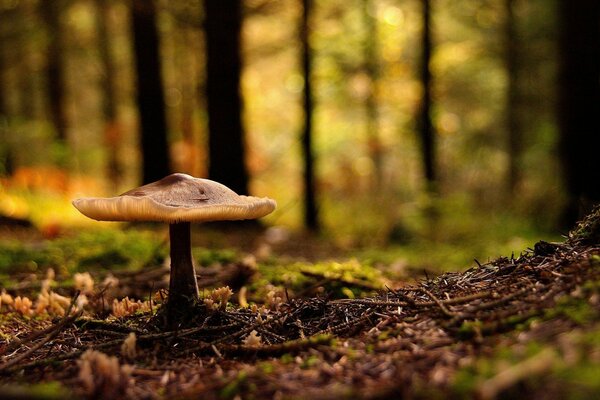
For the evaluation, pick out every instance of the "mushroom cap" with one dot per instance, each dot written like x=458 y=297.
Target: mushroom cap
x=176 y=198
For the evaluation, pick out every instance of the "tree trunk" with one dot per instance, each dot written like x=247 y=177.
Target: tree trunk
x=5 y=157
x=513 y=125
x=51 y=14
x=112 y=133
x=579 y=103
x=28 y=95
x=187 y=72
x=226 y=144
x=150 y=93
x=425 y=125
x=311 y=221
x=371 y=66
x=3 y=95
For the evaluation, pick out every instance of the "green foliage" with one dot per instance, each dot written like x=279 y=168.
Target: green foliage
x=446 y=235
x=469 y=94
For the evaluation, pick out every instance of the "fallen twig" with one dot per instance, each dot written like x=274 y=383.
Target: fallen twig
x=259 y=329
x=290 y=346
x=354 y=322
x=56 y=329
x=344 y=281
x=534 y=365
x=392 y=303
x=438 y=302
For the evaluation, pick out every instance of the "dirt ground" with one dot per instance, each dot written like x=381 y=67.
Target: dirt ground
x=525 y=326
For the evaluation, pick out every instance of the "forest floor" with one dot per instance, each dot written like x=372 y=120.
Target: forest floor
x=526 y=326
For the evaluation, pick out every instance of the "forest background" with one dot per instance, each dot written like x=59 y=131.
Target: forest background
x=371 y=121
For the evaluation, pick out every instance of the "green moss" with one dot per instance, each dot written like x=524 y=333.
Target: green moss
x=348 y=279
x=582 y=380
x=16 y=257
x=106 y=248
x=468 y=378
x=236 y=386
x=577 y=310
x=449 y=241
x=287 y=358
x=465 y=380
x=108 y=259
x=383 y=335
x=310 y=362
x=575 y=377
x=207 y=257
x=469 y=329
x=588 y=230
x=6 y=338
x=266 y=367
x=39 y=391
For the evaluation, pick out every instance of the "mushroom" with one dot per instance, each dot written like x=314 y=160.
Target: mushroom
x=178 y=199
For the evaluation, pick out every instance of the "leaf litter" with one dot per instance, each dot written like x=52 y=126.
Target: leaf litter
x=407 y=342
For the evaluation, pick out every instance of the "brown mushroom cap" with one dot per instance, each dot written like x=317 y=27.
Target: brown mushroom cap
x=176 y=198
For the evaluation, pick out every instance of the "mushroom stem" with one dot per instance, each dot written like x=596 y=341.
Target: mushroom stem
x=183 y=287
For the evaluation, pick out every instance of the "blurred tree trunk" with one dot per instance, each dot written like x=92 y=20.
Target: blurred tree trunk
x=426 y=128
x=150 y=92
x=371 y=66
x=5 y=157
x=112 y=131
x=3 y=96
x=26 y=51
x=55 y=71
x=579 y=104
x=311 y=220
x=512 y=99
x=187 y=71
x=226 y=144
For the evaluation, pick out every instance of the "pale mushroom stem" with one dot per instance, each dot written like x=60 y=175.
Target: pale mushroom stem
x=183 y=287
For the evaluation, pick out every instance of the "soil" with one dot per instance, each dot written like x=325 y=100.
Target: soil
x=424 y=340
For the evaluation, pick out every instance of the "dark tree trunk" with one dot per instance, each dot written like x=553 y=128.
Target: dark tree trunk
x=311 y=221
x=371 y=65
x=3 y=96
x=150 y=93
x=226 y=144
x=188 y=72
x=28 y=95
x=425 y=125
x=51 y=14
x=512 y=99
x=579 y=104
x=112 y=134
x=5 y=158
